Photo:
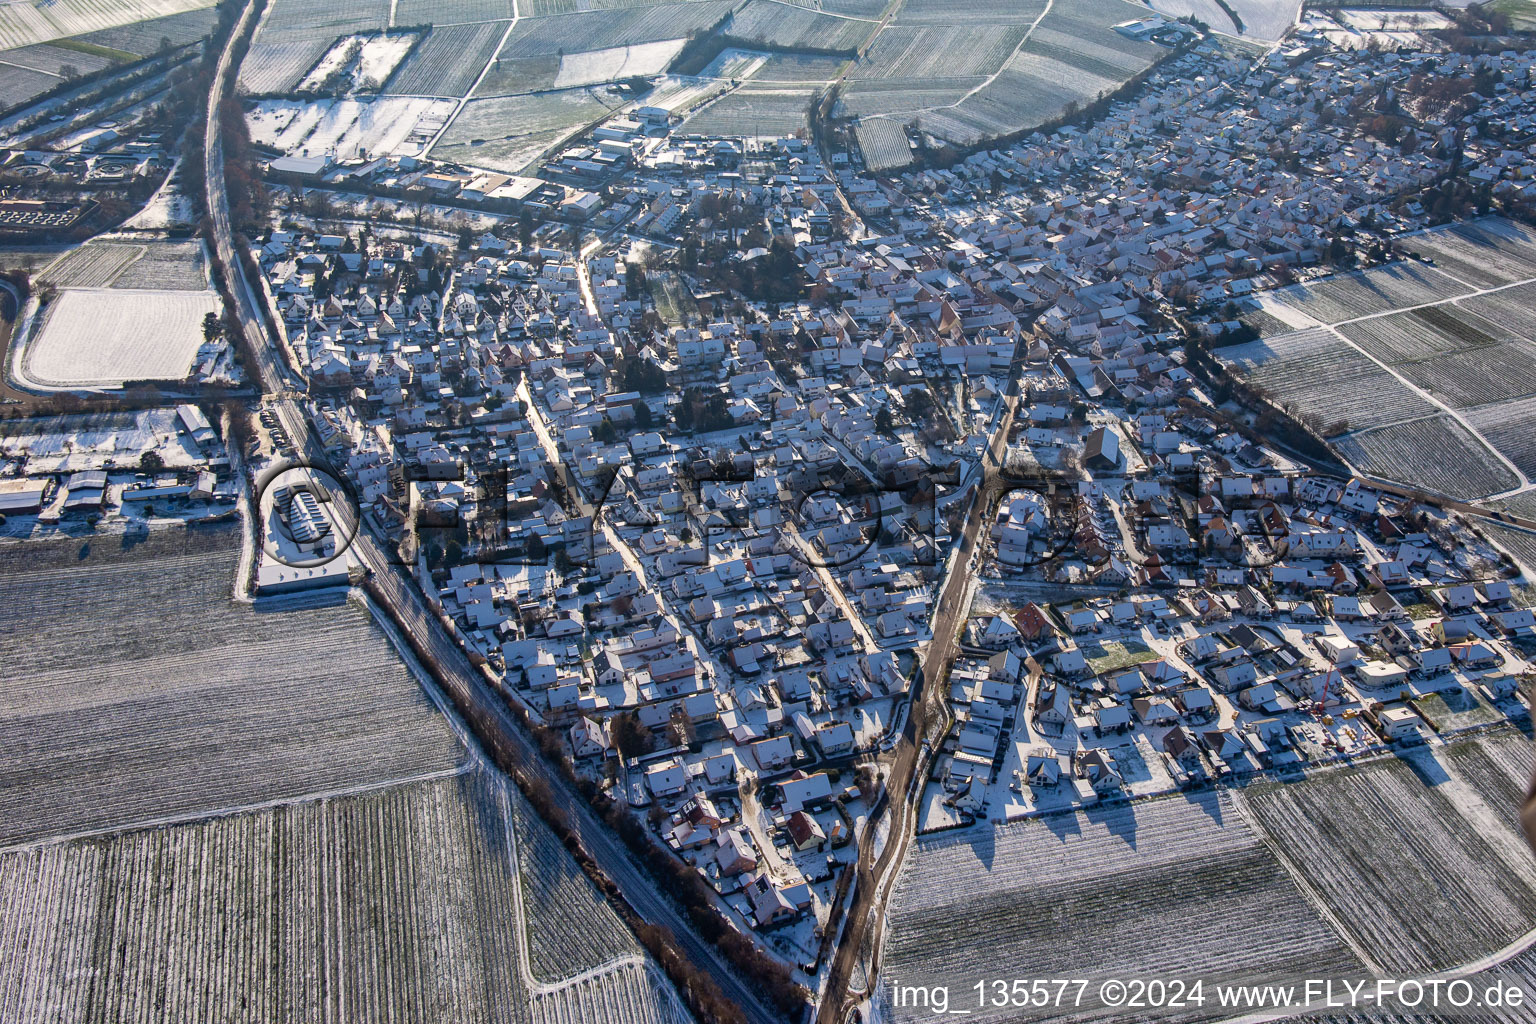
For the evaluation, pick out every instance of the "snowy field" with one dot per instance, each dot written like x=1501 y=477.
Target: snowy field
x=346 y=129
x=616 y=63
x=99 y=337
x=38 y=21
x=370 y=59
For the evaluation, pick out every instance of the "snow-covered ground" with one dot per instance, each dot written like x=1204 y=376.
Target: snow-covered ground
x=370 y=59
x=100 y=337
x=346 y=129
x=592 y=67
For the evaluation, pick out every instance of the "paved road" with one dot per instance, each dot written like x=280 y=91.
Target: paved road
x=481 y=706
x=908 y=773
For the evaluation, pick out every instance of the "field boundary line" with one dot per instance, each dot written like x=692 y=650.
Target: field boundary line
x=1429 y=397
x=463 y=101
x=469 y=764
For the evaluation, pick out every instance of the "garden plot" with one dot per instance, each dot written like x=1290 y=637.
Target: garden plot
x=1419 y=871
x=1435 y=453
x=616 y=63
x=24 y=23
x=1364 y=292
x=769 y=23
x=1511 y=428
x=137 y=689
x=884 y=145
x=100 y=337
x=452 y=12
x=1321 y=376
x=554 y=886
x=143 y=38
x=509 y=133
x=448 y=61
x=754 y=113
x=1179 y=886
x=362 y=127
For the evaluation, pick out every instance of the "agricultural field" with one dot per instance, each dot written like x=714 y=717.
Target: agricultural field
x=94 y=265
x=348 y=128
x=294 y=35
x=884 y=145
x=1321 y=376
x=410 y=13
x=1486 y=253
x=1267 y=20
x=23 y=23
x=361 y=63
x=1179 y=886
x=327 y=909
x=19 y=85
x=448 y=61
x=595 y=67
x=1008 y=80
x=145 y=37
x=1419 y=865
x=1463 y=380
x=554 y=885
x=1343 y=297
x=1208 y=11
x=176 y=266
x=755 y=112
x=101 y=337
x=1511 y=428
x=629 y=992
x=795 y=67
x=509 y=133
x=1424 y=333
x=601 y=30
x=775 y=24
x=190 y=702
x=1513 y=309
x=56 y=58
x=926 y=52
x=1434 y=452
